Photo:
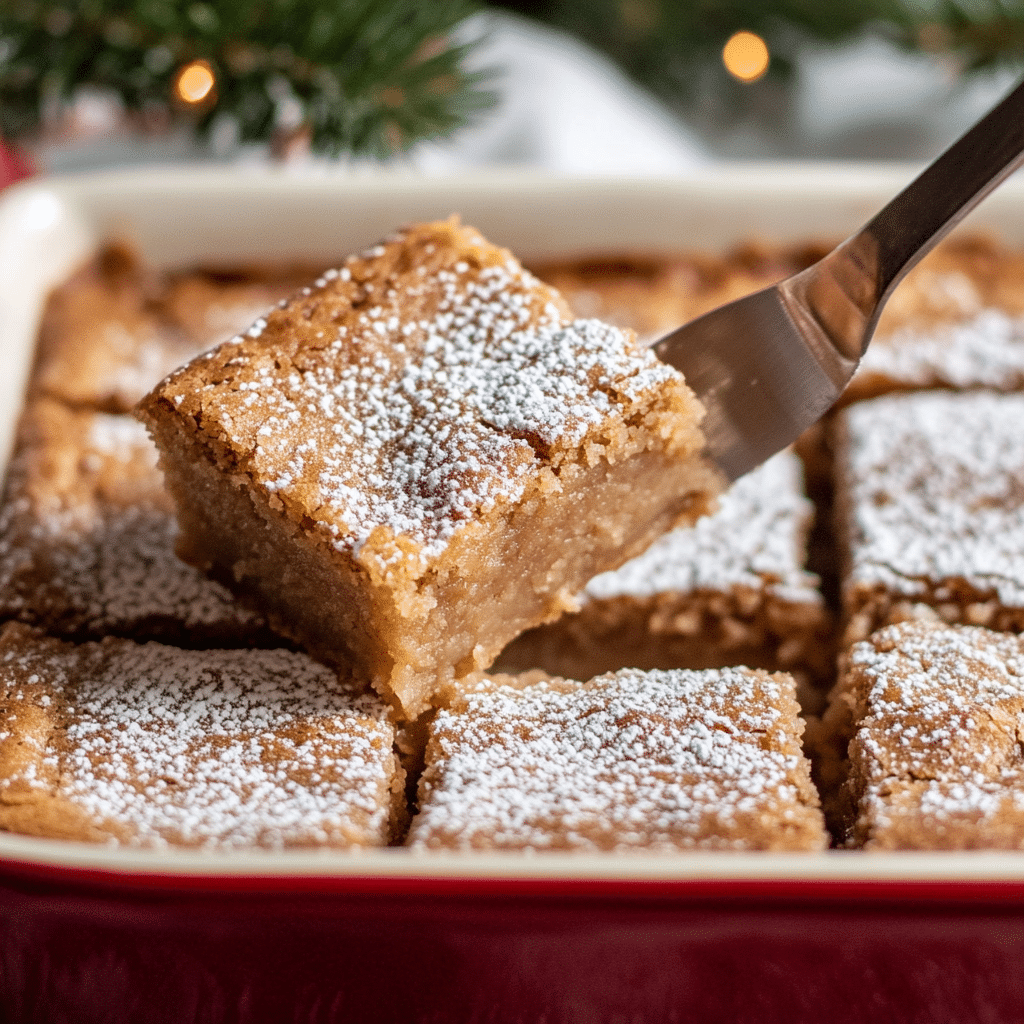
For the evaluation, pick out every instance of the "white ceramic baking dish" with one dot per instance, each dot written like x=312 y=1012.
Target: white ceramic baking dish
x=646 y=905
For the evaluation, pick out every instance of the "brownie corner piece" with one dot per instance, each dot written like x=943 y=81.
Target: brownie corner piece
x=147 y=745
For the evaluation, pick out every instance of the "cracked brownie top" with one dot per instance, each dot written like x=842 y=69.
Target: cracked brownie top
x=417 y=386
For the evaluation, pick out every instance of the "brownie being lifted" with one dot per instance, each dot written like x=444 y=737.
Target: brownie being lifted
x=730 y=591
x=423 y=455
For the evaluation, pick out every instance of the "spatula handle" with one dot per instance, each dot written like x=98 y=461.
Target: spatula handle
x=943 y=194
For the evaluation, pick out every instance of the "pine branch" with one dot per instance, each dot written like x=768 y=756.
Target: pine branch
x=360 y=76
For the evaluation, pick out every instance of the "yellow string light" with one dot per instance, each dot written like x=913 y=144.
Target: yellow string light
x=746 y=56
x=194 y=83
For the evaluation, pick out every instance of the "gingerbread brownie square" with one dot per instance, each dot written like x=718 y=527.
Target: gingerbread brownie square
x=87 y=535
x=147 y=745
x=732 y=590
x=924 y=723
x=670 y=760
x=930 y=509
x=423 y=455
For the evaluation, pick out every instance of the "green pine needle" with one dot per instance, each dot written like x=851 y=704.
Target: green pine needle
x=364 y=77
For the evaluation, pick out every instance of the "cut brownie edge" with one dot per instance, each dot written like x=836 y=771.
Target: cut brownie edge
x=695 y=630
x=387 y=626
x=732 y=590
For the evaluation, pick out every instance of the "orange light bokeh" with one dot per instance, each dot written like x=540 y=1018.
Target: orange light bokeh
x=746 y=56
x=194 y=82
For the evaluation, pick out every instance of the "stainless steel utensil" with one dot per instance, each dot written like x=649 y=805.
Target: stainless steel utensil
x=768 y=366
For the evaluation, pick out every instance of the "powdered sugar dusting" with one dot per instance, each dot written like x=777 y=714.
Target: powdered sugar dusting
x=218 y=749
x=983 y=350
x=934 y=483
x=936 y=756
x=87 y=538
x=655 y=759
x=755 y=539
x=444 y=395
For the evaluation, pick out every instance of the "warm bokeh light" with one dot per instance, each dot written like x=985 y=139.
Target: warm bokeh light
x=194 y=82
x=746 y=56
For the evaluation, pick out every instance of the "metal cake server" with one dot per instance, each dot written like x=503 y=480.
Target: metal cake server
x=768 y=366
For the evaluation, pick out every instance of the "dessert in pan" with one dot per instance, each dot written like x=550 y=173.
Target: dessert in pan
x=362 y=439
x=145 y=744
x=116 y=327
x=929 y=512
x=664 y=760
x=924 y=724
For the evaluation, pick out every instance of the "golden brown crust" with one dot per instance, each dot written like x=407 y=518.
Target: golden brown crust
x=953 y=323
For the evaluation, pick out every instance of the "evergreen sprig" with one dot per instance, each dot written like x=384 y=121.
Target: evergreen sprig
x=366 y=77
